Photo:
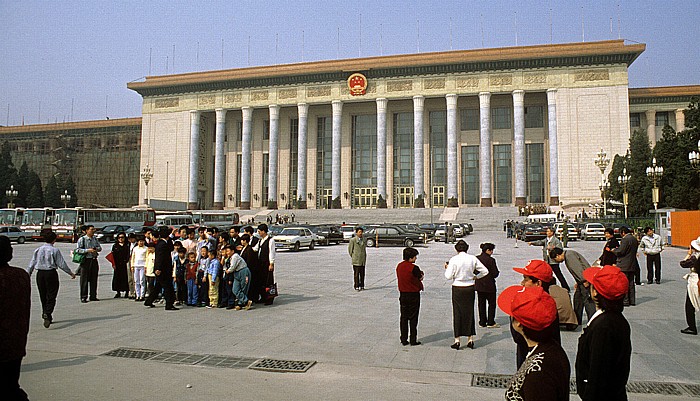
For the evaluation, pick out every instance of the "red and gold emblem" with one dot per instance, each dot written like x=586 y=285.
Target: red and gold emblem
x=357 y=83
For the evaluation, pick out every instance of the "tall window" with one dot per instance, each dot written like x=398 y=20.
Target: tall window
x=364 y=160
x=239 y=124
x=293 y=159
x=438 y=150
x=635 y=120
x=239 y=163
x=469 y=119
x=533 y=117
x=324 y=162
x=266 y=179
x=503 y=173
x=661 y=118
x=403 y=159
x=266 y=130
x=470 y=175
x=500 y=117
x=535 y=172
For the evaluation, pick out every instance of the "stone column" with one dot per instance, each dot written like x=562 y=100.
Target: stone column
x=651 y=126
x=220 y=160
x=680 y=120
x=273 y=153
x=485 y=148
x=452 y=149
x=418 y=161
x=192 y=203
x=335 y=167
x=553 y=149
x=245 y=156
x=303 y=109
x=519 y=147
x=381 y=147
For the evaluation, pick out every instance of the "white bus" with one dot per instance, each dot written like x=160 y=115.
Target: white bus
x=67 y=222
x=215 y=218
x=36 y=219
x=11 y=217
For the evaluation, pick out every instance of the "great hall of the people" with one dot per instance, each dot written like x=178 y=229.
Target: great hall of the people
x=488 y=127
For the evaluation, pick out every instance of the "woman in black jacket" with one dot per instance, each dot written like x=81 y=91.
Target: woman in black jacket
x=120 y=278
x=486 y=287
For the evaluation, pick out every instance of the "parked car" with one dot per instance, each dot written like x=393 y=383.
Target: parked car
x=571 y=228
x=593 y=231
x=109 y=233
x=14 y=234
x=327 y=234
x=468 y=228
x=533 y=232
x=417 y=229
x=348 y=231
x=392 y=235
x=294 y=238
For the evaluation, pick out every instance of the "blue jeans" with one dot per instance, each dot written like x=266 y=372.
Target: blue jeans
x=241 y=283
x=192 y=292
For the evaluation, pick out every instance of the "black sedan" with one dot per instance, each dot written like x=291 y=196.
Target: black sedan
x=109 y=233
x=392 y=235
x=330 y=233
x=533 y=232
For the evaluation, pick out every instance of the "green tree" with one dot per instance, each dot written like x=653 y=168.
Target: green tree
x=679 y=184
x=52 y=194
x=23 y=185
x=8 y=173
x=70 y=186
x=36 y=192
x=616 y=189
x=639 y=187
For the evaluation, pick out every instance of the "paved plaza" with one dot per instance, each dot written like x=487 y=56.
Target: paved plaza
x=352 y=336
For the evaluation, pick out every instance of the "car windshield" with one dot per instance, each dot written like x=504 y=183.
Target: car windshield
x=292 y=231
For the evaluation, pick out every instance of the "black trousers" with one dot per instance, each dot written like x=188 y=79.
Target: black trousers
x=690 y=313
x=410 y=308
x=359 y=275
x=631 y=296
x=637 y=272
x=181 y=290
x=47 y=283
x=654 y=260
x=203 y=293
x=88 y=278
x=9 y=381
x=583 y=300
x=163 y=282
x=560 y=276
x=487 y=318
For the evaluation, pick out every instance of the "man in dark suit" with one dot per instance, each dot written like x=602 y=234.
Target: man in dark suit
x=627 y=261
x=163 y=267
x=605 y=348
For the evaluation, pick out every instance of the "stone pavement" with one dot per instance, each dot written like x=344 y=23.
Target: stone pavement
x=353 y=337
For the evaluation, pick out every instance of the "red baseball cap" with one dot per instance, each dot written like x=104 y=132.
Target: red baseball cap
x=608 y=281
x=538 y=269
x=531 y=306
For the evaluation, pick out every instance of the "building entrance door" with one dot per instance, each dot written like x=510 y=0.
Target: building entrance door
x=365 y=197
x=325 y=198
x=403 y=196
x=438 y=195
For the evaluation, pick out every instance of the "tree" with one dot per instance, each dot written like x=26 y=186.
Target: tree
x=639 y=187
x=35 y=198
x=70 y=186
x=679 y=184
x=23 y=185
x=8 y=173
x=52 y=194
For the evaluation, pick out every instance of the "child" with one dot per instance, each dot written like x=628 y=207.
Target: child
x=191 y=277
x=202 y=283
x=180 y=263
x=213 y=277
x=138 y=263
x=149 y=267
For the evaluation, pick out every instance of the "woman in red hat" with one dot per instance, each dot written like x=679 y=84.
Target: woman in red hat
x=544 y=376
x=605 y=347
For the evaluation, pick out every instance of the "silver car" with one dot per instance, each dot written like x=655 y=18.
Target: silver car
x=593 y=231
x=14 y=234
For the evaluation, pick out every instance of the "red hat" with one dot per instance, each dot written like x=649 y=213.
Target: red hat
x=608 y=281
x=531 y=306
x=538 y=269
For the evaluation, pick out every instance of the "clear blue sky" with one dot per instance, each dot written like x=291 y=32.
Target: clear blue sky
x=55 y=51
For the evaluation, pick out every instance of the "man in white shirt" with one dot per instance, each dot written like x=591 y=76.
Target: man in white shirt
x=652 y=247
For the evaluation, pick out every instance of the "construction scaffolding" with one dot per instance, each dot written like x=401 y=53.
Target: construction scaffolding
x=102 y=157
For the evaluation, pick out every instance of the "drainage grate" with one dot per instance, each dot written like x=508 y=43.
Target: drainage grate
x=653 y=388
x=179 y=358
x=279 y=365
x=490 y=381
x=692 y=389
x=132 y=353
x=227 y=362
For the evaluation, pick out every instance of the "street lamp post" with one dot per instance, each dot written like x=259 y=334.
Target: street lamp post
x=654 y=173
x=65 y=198
x=623 y=180
x=146 y=176
x=602 y=161
x=694 y=157
x=11 y=194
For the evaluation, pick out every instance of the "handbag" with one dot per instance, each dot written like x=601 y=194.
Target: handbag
x=271 y=291
x=77 y=257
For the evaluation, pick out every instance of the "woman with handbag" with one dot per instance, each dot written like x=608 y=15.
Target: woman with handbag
x=463 y=269
x=692 y=297
x=121 y=253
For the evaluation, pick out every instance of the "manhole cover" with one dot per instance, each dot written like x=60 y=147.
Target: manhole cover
x=227 y=362
x=279 y=365
x=132 y=353
x=179 y=358
x=692 y=389
x=490 y=381
x=653 y=388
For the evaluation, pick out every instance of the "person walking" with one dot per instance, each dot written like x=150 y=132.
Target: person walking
x=46 y=259
x=410 y=282
x=692 y=296
x=652 y=246
x=89 y=268
x=463 y=269
x=547 y=244
x=358 y=254
x=163 y=268
x=576 y=264
x=627 y=262
x=486 y=287
x=120 y=273
x=15 y=305
x=545 y=373
x=605 y=347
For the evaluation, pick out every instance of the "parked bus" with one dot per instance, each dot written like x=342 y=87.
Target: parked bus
x=67 y=222
x=11 y=217
x=35 y=220
x=175 y=220
x=215 y=218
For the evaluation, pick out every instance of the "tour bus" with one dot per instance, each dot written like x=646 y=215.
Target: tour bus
x=67 y=222
x=542 y=218
x=11 y=217
x=215 y=218
x=36 y=219
x=175 y=220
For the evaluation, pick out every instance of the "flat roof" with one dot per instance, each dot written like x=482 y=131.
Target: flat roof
x=663 y=94
x=116 y=122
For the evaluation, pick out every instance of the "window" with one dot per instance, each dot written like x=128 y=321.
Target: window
x=533 y=117
x=240 y=130
x=503 y=172
x=500 y=117
x=266 y=179
x=470 y=175
x=403 y=149
x=324 y=161
x=266 y=130
x=635 y=120
x=293 y=159
x=469 y=119
x=438 y=153
x=661 y=118
x=535 y=172
x=364 y=158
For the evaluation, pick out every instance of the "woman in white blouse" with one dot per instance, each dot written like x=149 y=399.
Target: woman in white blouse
x=463 y=269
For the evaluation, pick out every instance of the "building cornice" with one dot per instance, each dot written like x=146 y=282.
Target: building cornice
x=664 y=94
x=450 y=62
x=93 y=124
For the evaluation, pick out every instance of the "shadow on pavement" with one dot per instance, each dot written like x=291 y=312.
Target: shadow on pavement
x=57 y=363
x=285 y=299
x=441 y=336
x=62 y=324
